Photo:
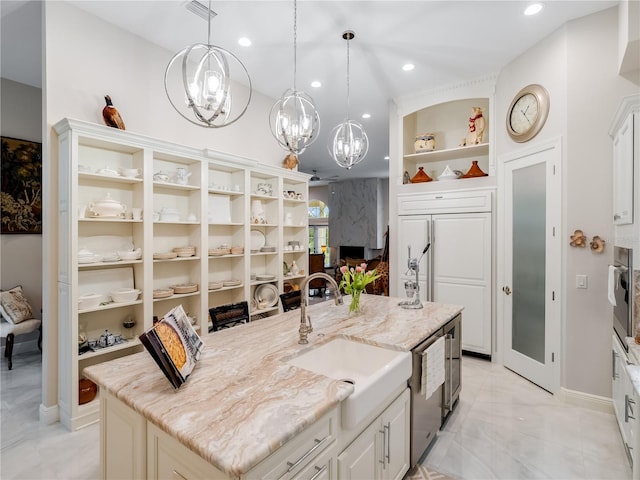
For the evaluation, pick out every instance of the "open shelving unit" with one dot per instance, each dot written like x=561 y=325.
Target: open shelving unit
x=211 y=210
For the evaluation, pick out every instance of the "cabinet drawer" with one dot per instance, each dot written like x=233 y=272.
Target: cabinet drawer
x=448 y=202
x=300 y=451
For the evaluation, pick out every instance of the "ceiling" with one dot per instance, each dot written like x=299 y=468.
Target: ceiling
x=447 y=41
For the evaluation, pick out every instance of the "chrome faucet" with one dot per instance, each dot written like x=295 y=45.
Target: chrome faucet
x=305 y=320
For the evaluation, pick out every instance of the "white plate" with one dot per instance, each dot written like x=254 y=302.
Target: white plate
x=258 y=240
x=266 y=293
x=265 y=277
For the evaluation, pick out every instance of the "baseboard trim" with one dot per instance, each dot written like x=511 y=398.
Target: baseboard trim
x=49 y=415
x=586 y=400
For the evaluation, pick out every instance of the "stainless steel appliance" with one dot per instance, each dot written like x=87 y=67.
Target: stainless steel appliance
x=428 y=415
x=622 y=290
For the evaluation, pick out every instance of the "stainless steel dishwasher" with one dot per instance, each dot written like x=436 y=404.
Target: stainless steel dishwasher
x=428 y=415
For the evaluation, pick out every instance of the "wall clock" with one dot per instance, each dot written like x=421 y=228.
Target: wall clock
x=527 y=113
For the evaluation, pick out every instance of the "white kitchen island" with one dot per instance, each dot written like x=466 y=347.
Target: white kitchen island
x=245 y=412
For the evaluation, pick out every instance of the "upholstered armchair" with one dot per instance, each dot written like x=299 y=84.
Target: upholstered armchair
x=17 y=319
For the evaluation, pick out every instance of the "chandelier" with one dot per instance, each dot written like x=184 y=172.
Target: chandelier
x=198 y=83
x=294 y=120
x=348 y=141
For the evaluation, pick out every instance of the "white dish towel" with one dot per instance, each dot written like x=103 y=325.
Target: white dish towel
x=611 y=285
x=432 y=368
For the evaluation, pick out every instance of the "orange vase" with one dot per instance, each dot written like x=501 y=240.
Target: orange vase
x=474 y=171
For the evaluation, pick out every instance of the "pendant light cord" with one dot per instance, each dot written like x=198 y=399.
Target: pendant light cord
x=209 y=24
x=348 y=100
x=295 y=40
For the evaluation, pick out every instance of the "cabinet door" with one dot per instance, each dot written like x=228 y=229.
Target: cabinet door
x=414 y=232
x=396 y=423
x=618 y=386
x=360 y=459
x=462 y=273
x=623 y=173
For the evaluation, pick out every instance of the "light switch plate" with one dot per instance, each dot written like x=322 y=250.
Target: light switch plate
x=581 y=281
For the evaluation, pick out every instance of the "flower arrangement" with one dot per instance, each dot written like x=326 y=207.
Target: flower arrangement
x=354 y=281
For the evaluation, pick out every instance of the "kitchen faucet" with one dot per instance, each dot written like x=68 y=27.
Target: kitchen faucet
x=305 y=320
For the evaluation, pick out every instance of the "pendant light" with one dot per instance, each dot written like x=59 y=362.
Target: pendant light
x=198 y=83
x=349 y=142
x=294 y=120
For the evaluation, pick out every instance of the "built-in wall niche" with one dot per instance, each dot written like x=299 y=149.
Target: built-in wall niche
x=449 y=123
x=176 y=205
x=190 y=303
x=229 y=235
x=226 y=268
x=168 y=274
x=226 y=180
x=179 y=170
x=168 y=236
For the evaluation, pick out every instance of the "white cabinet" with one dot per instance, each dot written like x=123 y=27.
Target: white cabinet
x=625 y=135
x=188 y=197
x=625 y=404
x=623 y=173
x=381 y=451
x=458 y=268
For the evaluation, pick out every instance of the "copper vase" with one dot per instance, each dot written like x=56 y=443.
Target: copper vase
x=474 y=171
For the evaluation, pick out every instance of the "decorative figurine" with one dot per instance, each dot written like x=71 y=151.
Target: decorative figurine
x=111 y=115
x=476 y=126
x=290 y=161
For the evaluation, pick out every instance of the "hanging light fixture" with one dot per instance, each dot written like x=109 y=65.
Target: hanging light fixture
x=349 y=142
x=294 y=120
x=198 y=83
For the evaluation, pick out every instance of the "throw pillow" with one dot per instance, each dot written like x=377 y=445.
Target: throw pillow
x=15 y=306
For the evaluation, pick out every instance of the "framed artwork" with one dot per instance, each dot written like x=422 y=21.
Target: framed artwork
x=21 y=186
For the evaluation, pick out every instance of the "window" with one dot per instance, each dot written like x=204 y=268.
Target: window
x=319 y=229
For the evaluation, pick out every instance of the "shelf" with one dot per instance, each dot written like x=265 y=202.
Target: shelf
x=174 y=186
x=449 y=153
x=177 y=259
x=256 y=254
x=294 y=200
x=119 y=263
x=258 y=196
x=108 y=178
x=110 y=306
x=449 y=185
x=222 y=289
x=230 y=255
x=104 y=351
x=260 y=282
x=108 y=220
x=177 y=295
x=224 y=192
x=295 y=226
x=179 y=222
x=258 y=225
x=226 y=224
x=294 y=277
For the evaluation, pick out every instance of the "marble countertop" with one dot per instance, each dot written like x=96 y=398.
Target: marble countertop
x=243 y=401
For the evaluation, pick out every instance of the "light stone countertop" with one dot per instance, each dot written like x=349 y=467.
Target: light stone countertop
x=243 y=401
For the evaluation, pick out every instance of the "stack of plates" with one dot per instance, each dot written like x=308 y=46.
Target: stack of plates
x=264 y=276
x=162 y=292
x=231 y=283
x=185 y=288
x=215 y=285
x=187 y=251
x=213 y=252
x=237 y=250
x=165 y=256
x=268 y=248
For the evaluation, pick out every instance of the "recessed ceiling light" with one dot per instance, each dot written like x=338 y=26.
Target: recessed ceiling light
x=407 y=67
x=244 y=42
x=366 y=115
x=316 y=84
x=533 y=9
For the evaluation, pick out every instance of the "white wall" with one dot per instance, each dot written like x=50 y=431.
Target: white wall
x=577 y=65
x=87 y=58
x=21 y=255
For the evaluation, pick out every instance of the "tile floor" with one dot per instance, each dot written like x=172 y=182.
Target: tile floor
x=503 y=428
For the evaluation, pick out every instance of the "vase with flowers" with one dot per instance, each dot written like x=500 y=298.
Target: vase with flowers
x=354 y=281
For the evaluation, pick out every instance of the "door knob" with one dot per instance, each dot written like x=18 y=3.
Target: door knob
x=506 y=289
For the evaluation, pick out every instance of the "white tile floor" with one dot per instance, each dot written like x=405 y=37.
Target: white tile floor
x=503 y=428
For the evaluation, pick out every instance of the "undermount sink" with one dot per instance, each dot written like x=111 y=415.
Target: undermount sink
x=374 y=372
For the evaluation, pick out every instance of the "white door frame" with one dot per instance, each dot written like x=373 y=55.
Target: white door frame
x=553 y=337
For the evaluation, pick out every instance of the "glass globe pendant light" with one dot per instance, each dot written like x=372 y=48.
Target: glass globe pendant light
x=198 y=83
x=294 y=120
x=349 y=142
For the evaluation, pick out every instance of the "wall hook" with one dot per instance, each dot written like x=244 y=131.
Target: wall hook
x=597 y=244
x=578 y=239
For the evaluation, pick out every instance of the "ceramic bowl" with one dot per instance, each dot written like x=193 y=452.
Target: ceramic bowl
x=122 y=295
x=89 y=300
x=130 y=172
